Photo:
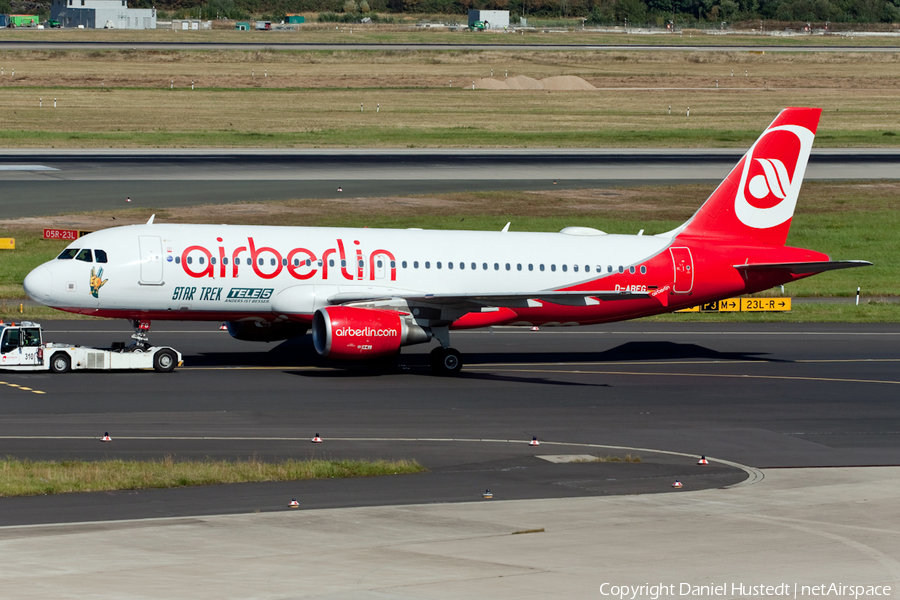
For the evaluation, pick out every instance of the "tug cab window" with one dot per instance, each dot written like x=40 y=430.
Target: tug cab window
x=85 y=256
x=31 y=336
x=10 y=340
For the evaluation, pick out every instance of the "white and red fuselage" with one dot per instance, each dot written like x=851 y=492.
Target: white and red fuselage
x=371 y=283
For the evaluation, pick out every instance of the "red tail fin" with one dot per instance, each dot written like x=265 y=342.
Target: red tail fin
x=757 y=199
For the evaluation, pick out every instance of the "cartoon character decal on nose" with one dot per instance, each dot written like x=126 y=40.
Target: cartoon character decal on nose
x=97 y=282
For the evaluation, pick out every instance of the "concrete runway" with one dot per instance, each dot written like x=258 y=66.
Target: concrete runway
x=763 y=395
x=41 y=182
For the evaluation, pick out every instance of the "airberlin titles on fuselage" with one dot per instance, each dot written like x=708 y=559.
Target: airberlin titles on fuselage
x=268 y=263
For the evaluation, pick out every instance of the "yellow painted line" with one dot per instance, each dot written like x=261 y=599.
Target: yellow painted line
x=644 y=373
x=21 y=387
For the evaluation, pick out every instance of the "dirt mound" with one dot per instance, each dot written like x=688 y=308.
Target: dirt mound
x=566 y=83
x=521 y=82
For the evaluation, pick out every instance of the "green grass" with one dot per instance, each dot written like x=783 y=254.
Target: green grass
x=431 y=137
x=30 y=478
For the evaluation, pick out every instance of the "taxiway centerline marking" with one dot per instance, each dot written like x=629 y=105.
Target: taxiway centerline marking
x=23 y=388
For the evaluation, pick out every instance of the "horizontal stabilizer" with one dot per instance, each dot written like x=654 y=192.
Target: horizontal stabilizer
x=805 y=268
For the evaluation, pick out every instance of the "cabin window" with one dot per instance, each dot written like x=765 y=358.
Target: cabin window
x=519 y=267
x=530 y=267
x=67 y=254
x=438 y=264
x=100 y=256
x=177 y=260
x=296 y=262
x=224 y=261
x=496 y=266
x=507 y=266
x=553 y=268
x=574 y=268
x=393 y=264
x=85 y=256
x=599 y=269
x=427 y=264
x=331 y=262
x=308 y=262
x=260 y=261
x=621 y=269
x=450 y=265
x=484 y=266
x=462 y=265
x=343 y=262
x=631 y=269
x=212 y=260
x=190 y=260
x=474 y=266
x=565 y=267
x=403 y=263
x=643 y=270
x=202 y=260
x=272 y=262
x=378 y=263
x=415 y=264
x=542 y=267
x=319 y=262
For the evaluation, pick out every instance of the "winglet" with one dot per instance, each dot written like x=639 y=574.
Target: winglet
x=150 y=222
x=505 y=229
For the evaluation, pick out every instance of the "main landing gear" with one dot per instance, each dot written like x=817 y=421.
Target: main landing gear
x=444 y=360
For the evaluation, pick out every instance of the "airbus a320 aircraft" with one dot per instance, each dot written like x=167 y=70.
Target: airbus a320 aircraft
x=367 y=292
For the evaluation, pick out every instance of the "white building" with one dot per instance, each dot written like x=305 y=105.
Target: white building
x=98 y=14
x=494 y=19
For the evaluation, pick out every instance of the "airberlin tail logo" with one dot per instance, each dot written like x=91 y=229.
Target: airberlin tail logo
x=771 y=177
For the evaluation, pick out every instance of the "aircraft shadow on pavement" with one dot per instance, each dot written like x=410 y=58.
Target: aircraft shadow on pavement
x=299 y=353
x=628 y=352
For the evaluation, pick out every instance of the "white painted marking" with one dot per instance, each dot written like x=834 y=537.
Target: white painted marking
x=27 y=168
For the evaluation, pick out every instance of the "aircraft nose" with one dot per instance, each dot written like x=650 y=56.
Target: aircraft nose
x=39 y=284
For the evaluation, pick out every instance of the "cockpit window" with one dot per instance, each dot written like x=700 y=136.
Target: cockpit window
x=85 y=256
x=100 y=256
x=67 y=254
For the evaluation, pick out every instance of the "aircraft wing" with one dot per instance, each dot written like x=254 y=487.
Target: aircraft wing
x=478 y=300
x=804 y=268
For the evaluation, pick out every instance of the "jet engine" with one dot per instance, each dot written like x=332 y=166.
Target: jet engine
x=256 y=331
x=348 y=333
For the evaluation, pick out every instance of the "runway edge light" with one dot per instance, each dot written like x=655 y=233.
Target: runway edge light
x=702 y=460
x=487 y=495
x=294 y=503
x=677 y=484
x=316 y=439
x=534 y=441
x=106 y=437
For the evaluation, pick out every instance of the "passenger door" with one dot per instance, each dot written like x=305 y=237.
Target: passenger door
x=683 y=263
x=151 y=260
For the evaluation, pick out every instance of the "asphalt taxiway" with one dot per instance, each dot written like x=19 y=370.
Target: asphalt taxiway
x=757 y=396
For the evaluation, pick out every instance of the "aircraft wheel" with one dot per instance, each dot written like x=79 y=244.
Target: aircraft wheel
x=60 y=363
x=164 y=361
x=445 y=361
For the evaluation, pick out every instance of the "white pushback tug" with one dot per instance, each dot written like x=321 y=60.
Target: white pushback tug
x=22 y=348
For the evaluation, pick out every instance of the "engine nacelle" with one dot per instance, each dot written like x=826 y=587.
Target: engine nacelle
x=256 y=331
x=348 y=333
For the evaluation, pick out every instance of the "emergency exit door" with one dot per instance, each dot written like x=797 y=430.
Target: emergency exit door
x=151 y=260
